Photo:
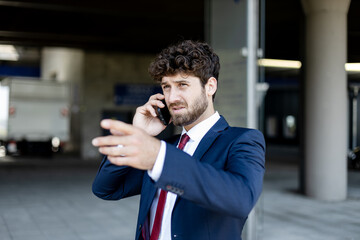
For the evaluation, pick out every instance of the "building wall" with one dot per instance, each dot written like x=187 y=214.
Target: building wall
x=101 y=72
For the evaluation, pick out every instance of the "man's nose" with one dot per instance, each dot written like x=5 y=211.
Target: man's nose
x=173 y=96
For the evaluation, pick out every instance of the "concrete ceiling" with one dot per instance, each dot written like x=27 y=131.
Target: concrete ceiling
x=133 y=26
x=148 y=26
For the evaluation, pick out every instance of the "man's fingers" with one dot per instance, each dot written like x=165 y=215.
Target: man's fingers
x=150 y=107
x=110 y=140
x=157 y=96
x=119 y=126
x=151 y=110
x=119 y=161
x=116 y=132
x=126 y=161
x=156 y=103
x=115 y=151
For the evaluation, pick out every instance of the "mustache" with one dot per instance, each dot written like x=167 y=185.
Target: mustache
x=177 y=104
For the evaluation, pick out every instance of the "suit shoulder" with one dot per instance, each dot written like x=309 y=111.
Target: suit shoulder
x=241 y=131
x=239 y=134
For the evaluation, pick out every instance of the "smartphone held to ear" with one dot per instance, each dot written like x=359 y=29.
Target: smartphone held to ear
x=164 y=114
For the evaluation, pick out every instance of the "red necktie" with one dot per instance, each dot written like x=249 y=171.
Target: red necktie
x=162 y=199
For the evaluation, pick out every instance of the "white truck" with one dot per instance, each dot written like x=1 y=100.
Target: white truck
x=34 y=116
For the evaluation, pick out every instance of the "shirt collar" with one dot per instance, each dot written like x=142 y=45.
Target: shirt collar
x=197 y=132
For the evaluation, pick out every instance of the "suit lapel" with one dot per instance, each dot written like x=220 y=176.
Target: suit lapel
x=210 y=137
x=147 y=195
x=207 y=141
x=149 y=189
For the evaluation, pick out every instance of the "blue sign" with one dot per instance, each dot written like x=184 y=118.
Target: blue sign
x=134 y=94
x=19 y=71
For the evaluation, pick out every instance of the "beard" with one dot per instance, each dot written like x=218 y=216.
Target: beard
x=193 y=112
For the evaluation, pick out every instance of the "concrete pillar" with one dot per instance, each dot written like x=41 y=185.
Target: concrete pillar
x=326 y=115
x=227 y=32
x=66 y=65
x=62 y=64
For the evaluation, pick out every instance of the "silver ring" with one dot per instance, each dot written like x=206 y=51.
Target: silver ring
x=121 y=146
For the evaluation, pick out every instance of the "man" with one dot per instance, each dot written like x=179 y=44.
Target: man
x=204 y=191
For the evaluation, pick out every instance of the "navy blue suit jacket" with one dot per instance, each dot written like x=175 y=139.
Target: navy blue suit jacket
x=217 y=187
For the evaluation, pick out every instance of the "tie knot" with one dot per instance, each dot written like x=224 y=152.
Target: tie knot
x=184 y=139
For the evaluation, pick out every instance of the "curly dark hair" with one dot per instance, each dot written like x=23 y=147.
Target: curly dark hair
x=189 y=57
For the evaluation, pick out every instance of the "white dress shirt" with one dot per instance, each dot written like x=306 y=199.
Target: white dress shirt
x=196 y=133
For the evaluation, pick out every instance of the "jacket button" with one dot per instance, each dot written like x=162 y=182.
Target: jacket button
x=140 y=226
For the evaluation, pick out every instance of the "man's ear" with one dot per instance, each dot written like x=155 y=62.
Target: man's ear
x=211 y=86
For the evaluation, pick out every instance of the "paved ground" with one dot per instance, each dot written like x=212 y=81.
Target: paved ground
x=289 y=215
x=52 y=200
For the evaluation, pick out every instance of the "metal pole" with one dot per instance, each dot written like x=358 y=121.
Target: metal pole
x=252 y=71
x=354 y=120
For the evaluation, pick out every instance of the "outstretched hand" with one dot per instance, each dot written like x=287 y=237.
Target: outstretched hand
x=128 y=145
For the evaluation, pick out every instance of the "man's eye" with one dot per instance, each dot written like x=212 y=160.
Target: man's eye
x=165 y=86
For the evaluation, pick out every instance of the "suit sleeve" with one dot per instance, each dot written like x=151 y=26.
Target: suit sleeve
x=114 y=182
x=232 y=189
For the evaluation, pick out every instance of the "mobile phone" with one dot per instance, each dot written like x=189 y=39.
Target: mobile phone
x=164 y=114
